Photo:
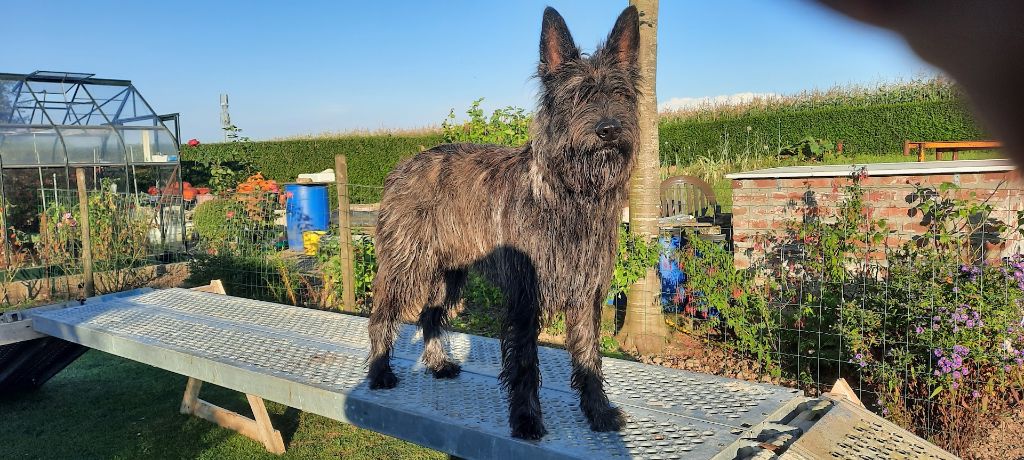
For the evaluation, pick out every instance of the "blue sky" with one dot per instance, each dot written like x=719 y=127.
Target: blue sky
x=317 y=66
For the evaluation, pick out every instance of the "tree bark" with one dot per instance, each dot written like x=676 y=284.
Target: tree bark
x=644 y=329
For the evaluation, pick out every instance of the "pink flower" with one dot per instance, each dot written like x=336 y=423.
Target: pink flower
x=193 y=142
x=231 y=214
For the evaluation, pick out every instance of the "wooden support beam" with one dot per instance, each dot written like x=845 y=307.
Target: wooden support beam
x=259 y=428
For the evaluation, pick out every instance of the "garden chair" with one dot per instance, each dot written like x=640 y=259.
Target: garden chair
x=688 y=196
x=689 y=202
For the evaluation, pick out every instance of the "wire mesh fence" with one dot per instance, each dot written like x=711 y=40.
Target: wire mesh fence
x=132 y=237
x=908 y=287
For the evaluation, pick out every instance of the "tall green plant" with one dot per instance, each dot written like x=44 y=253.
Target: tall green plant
x=508 y=126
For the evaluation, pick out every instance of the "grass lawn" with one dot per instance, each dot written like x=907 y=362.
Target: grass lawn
x=105 y=407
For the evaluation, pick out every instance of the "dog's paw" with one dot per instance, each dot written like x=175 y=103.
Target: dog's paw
x=448 y=370
x=529 y=427
x=607 y=419
x=383 y=380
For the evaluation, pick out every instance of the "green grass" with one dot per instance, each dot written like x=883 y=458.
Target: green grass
x=105 y=407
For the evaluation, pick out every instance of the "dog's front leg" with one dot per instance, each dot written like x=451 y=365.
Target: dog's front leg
x=520 y=372
x=583 y=326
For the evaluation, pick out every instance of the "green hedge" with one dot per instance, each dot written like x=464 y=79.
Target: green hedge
x=870 y=129
x=875 y=121
x=370 y=158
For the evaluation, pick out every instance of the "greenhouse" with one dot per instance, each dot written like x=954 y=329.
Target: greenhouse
x=58 y=126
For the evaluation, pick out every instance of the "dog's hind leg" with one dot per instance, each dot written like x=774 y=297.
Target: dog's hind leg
x=434 y=320
x=393 y=296
x=583 y=326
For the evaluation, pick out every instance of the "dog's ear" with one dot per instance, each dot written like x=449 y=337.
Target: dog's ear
x=556 y=44
x=623 y=45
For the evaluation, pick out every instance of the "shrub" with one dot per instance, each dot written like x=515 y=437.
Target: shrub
x=211 y=219
x=509 y=126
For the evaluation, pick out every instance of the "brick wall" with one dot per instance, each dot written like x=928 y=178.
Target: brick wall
x=765 y=205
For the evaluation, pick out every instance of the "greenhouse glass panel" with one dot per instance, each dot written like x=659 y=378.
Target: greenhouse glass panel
x=149 y=145
x=30 y=147
x=92 y=146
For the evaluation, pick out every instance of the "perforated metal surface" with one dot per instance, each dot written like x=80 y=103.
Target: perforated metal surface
x=314 y=361
x=850 y=432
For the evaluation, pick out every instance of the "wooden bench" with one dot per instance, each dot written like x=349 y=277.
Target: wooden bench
x=947 y=146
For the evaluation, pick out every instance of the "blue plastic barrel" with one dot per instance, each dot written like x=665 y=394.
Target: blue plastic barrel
x=307 y=209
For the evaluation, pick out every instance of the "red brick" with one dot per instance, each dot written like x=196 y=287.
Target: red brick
x=914 y=228
x=996 y=176
x=760 y=183
x=813 y=183
x=892 y=212
x=738 y=211
x=880 y=195
x=736 y=183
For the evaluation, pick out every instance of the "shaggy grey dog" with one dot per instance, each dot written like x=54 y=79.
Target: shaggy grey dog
x=539 y=221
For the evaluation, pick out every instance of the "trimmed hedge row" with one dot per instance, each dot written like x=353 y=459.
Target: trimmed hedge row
x=872 y=129
x=370 y=158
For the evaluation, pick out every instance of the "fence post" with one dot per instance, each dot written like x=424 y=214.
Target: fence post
x=348 y=279
x=83 y=211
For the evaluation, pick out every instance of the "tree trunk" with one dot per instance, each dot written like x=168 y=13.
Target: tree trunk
x=644 y=327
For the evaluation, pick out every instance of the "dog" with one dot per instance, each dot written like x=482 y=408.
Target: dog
x=539 y=221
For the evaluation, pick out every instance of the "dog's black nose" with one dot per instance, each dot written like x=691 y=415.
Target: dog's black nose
x=608 y=129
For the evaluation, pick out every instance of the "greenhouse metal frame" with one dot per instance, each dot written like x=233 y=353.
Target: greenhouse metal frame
x=52 y=123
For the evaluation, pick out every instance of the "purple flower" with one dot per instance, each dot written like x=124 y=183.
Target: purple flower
x=938 y=372
x=935 y=327
x=938 y=352
x=956 y=374
x=885 y=411
x=956 y=385
x=956 y=289
x=975 y=394
x=919 y=330
x=970 y=323
x=858 y=356
x=960 y=350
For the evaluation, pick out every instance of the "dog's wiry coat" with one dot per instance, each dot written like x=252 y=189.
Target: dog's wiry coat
x=540 y=221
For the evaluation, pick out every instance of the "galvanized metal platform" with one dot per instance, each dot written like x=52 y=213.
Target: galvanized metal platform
x=314 y=361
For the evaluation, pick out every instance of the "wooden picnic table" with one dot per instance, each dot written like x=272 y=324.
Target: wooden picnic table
x=947 y=146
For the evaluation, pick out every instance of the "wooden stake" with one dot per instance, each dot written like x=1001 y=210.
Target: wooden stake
x=348 y=279
x=83 y=210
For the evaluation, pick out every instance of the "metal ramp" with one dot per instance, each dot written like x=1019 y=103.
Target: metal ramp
x=314 y=361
